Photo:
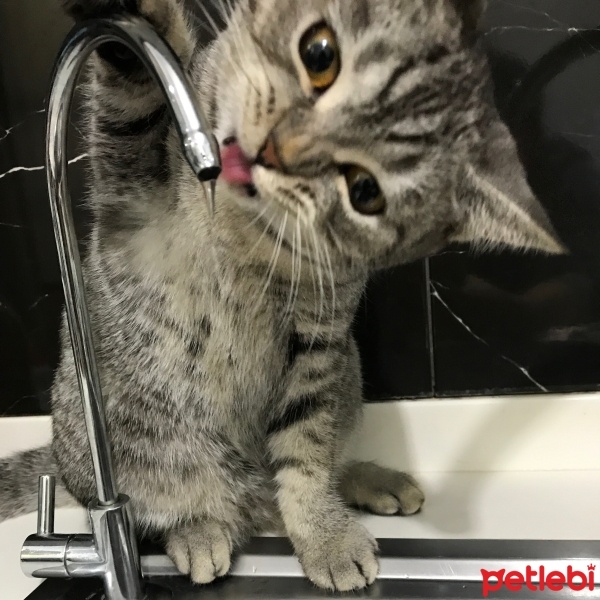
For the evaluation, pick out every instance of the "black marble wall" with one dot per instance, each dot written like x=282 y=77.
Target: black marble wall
x=456 y=324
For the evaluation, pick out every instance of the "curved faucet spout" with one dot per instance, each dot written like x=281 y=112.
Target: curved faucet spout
x=111 y=551
x=199 y=147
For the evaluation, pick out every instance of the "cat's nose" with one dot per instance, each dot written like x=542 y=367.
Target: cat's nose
x=269 y=156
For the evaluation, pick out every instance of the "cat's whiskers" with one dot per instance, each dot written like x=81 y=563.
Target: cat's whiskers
x=261 y=237
x=333 y=291
x=319 y=268
x=296 y=272
x=214 y=27
x=202 y=24
x=258 y=217
x=335 y=238
x=237 y=66
x=312 y=271
x=237 y=37
x=235 y=58
x=216 y=30
x=300 y=257
x=231 y=24
x=274 y=257
x=265 y=67
x=238 y=43
x=225 y=9
x=286 y=311
x=293 y=275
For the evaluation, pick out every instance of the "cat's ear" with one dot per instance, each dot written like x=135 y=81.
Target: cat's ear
x=496 y=203
x=470 y=11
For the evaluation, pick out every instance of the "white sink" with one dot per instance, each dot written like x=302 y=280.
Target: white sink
x=491 y=469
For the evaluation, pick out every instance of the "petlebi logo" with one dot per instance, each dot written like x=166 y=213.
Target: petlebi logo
x=538 y=579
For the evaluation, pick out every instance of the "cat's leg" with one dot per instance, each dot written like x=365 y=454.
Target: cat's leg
x=129 y=125
x=305 y=443
x=336 y=552
x=201 y=549
x=367 y=485
x=205 y=513
x=235 y=506
x=381 y=491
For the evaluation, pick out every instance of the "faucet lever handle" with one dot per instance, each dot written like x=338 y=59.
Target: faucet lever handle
x=46 y=503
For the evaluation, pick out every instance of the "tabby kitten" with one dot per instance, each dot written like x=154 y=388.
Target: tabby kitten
x=355 y=135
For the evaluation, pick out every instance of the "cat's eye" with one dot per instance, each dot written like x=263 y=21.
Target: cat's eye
x=364 y=191
x=321 y=56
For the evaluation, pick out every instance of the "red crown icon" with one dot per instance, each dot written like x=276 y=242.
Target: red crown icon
x=591 y=567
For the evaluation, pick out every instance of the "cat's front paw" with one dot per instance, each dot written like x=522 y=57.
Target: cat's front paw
x=341 y=562
x=201 y=550
x=166 y=16
x=381 y=491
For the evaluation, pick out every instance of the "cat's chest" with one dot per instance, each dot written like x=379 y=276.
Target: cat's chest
x=237 y=346
x=234 y=348
x=248 y=344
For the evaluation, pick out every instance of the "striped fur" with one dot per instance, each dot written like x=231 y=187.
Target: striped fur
x=232 y=380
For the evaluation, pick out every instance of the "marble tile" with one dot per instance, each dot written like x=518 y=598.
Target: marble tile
x=31 y=33
x=458 y=324
x=509 y=322
x=392 y=331
x=30 y=292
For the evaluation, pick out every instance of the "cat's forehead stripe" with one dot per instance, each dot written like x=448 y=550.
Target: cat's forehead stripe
x=361 y=15
x=378 y=51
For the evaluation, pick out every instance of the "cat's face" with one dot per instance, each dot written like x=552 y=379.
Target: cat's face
x=367 y=123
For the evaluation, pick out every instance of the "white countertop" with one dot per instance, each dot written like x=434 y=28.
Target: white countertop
x=491 y=468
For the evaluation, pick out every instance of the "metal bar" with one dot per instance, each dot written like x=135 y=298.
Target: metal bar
x=415 y=569
x=75 y=52
x=46 y=494
x=201 y=152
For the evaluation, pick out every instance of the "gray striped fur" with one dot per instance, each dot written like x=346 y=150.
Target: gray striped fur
x=232 y=378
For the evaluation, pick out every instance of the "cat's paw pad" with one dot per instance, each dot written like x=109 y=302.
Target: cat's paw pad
x=344 y=562
x=202 y=550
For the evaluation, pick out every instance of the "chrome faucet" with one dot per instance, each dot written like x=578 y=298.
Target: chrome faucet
x=110 y=551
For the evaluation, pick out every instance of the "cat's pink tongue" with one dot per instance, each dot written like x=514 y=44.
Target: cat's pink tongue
x=236 y=169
